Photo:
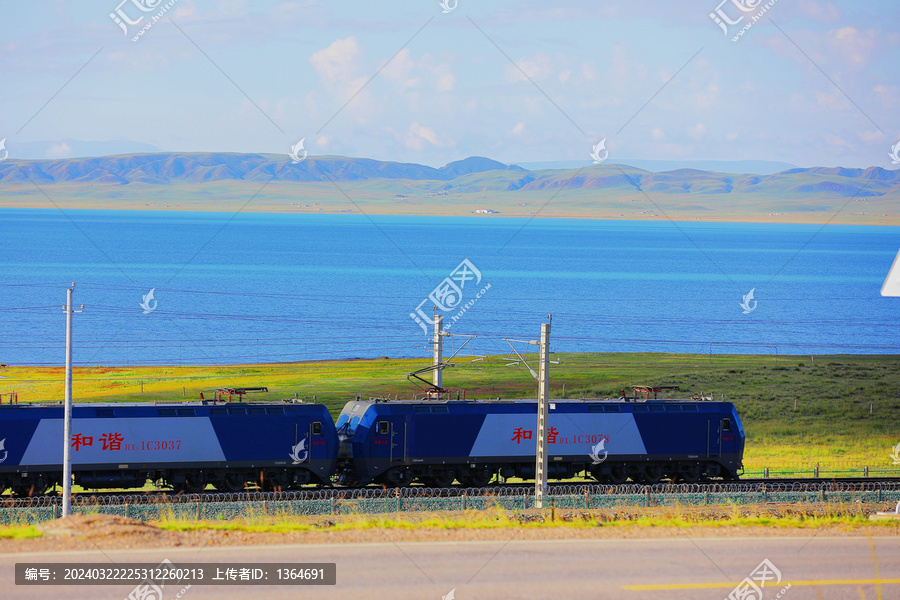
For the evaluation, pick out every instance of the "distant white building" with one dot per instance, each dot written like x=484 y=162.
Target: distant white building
x=486 y=211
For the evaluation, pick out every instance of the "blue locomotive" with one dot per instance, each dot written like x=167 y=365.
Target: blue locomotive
x=186 y=446
x=435 y=443
x=189 y=446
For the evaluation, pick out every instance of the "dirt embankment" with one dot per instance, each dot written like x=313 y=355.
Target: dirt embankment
x=106 y=532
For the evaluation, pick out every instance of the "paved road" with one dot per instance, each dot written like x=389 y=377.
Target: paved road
x=669 y=569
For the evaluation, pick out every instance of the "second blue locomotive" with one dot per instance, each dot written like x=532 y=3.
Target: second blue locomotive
x=397 y=443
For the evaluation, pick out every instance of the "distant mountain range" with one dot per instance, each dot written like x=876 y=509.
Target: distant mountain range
x=758 y=167
x=468 y=174
x=199 y=167
x=594 y=190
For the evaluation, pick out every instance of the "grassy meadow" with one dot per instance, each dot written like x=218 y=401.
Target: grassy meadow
x=841 y=412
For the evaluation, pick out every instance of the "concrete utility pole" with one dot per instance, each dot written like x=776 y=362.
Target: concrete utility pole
x=438 y=376
x=67 y=420
x=540 y=468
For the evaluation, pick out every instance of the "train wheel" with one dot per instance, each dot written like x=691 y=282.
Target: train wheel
x=397 y=477
x=442 y=478
x=479 y=477
x=595 y=473
x=652 y=474
x=691 y=474
x=618 y=474
x=194 y=483
x=231 y=482
x=38 y=488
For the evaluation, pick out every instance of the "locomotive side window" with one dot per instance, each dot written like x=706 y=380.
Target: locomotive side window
x=167 y=412
x=726 y=424
x=317 y=428
x=689 y=408
x=186 y=412
x=611 y=408
x=383 y=427
x=276 y=410
x=657 y=408
x=257 y=410
x=673 y=408
x=218 y=411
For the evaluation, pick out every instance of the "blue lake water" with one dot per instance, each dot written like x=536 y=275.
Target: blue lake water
x=271 y=287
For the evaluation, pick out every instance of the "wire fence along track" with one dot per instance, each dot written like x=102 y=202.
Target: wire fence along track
x=217 y=506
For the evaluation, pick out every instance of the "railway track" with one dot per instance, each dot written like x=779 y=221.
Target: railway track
x=846 y=484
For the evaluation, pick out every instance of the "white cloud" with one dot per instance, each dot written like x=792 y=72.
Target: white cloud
x=519 y=128
x=338 y=65
x=658 y=134
x=534 y=67
x=707 y=98
x=824 y=12
x=400 y=70
x=62 y=150
x=322 y=141
x=698 y=131
x=852 y=44
x=871 y=136
x=835 y=140
x=588 y=71
x=446 y=82
x=887 y=94
x=417 y=135
x=834 y=100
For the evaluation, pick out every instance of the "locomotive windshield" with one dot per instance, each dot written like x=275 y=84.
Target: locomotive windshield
x=346 y=426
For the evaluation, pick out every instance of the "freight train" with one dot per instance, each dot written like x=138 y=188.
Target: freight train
x=234 y=446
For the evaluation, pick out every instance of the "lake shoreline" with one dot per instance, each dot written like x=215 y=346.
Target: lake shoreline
x=377 y=211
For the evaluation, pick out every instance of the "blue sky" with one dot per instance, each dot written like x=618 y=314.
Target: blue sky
x=810 y=83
